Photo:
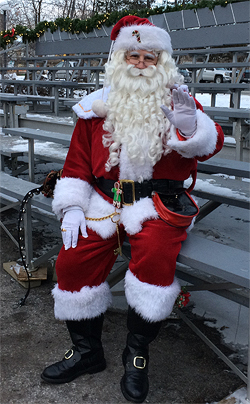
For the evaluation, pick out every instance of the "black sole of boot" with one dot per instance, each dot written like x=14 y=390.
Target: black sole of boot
x=128 y=397
x=94 y=369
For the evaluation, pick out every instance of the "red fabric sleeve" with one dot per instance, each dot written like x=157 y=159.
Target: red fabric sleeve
x=78 y=160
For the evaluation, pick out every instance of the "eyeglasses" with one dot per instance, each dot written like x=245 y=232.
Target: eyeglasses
x=148 y=59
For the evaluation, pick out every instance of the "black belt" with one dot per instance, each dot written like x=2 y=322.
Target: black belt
x=133 y=191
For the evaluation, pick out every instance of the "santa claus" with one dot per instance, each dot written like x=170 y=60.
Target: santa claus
x=141 y=135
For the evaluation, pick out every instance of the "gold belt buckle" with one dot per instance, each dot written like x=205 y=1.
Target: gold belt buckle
x=133 y=191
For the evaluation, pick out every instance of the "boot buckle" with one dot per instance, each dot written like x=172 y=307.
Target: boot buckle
x=143 y=365
x=69 y=354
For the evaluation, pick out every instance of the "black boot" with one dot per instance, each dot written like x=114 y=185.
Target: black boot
x=86 y=355
x=134 y=383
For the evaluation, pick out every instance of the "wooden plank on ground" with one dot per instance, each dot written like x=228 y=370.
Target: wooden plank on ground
x=18 y=273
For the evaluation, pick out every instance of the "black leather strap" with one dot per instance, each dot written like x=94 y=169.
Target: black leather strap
x=141 y=190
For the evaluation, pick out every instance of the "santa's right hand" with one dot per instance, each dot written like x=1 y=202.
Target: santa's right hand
x=184 y=87
x=73 y=220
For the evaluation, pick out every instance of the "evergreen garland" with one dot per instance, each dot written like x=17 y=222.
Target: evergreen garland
x=76 y=26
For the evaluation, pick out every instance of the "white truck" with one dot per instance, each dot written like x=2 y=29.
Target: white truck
x=217 y=75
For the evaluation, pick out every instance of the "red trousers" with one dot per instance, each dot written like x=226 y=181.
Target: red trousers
x=154 y=251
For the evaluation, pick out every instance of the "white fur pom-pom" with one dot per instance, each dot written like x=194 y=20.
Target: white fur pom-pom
x=99 y=108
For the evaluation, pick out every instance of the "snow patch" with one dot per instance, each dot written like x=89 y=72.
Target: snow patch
x=210 y=186
x=238 y=397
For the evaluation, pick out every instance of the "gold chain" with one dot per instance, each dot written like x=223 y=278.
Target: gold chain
x=119 y=249
x=94 y=219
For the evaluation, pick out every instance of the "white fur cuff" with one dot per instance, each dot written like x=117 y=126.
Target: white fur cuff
x=71 y=192
x=201 y=144
x=151 y=302
x=90 y=302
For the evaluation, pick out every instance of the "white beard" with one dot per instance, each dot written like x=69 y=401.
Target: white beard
x=135 y=119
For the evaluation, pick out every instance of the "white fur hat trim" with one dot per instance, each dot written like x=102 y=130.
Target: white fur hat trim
x=147 y=37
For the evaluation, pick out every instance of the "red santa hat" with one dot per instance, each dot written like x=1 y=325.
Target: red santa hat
x=132 y=32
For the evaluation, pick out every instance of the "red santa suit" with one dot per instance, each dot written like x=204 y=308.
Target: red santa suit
x=150 y=287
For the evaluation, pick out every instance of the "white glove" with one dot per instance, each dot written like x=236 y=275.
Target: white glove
x=184 y=87
x=183 y=116
x=72 y=220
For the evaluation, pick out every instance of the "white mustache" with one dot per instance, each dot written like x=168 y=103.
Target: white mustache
x=135 y=72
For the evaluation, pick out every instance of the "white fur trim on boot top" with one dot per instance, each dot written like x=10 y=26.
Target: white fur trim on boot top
x=151 y=302
x=71 y=192
x=202 y=143
x=90 y=302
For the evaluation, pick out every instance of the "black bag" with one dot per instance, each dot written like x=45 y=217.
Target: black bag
x=176 y=209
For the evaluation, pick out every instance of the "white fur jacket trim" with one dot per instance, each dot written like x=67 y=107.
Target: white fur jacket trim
x=71 y=192
x=151 y=302
x=132 y=217
x=201 y=144
x=83 y=109
x=98 y=208
x=89 y=302
x=76 y=192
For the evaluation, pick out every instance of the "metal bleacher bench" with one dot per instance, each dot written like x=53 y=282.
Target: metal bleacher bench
x=18 y=160
x=37 y=134
x=229 y=189
x=55 y=85
x=12 y=191
x=15 y=163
